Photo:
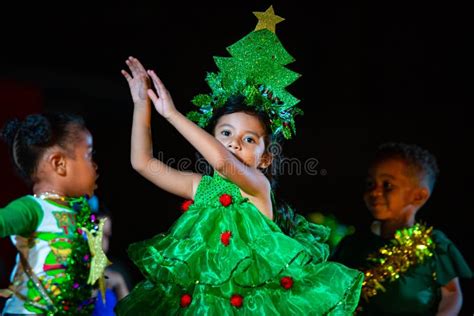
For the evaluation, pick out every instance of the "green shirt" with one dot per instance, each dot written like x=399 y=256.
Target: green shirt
x=418 y=290
x=20 y=217
x=47 y=231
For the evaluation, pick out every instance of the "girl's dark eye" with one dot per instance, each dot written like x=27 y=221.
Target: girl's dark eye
x=225 y=133
x=249 y=140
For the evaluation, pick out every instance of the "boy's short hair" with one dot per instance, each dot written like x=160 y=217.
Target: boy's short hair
x=421 y=161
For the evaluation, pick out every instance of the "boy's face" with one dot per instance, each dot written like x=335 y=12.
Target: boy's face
x=392 y=192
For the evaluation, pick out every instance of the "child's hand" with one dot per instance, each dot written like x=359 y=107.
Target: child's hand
x=163 y=102
x=139 y=82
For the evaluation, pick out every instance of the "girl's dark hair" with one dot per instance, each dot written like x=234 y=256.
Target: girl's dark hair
x=29 y=139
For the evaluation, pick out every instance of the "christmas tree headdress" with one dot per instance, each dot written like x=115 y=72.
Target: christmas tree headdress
x=256 y=71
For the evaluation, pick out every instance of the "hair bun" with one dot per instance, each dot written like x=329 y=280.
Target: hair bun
x=36 y=130
x=10 y=130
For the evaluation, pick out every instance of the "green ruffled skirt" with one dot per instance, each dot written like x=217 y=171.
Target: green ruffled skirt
x=232 y=260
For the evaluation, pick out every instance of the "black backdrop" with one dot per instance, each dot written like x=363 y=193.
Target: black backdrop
x=370 y=74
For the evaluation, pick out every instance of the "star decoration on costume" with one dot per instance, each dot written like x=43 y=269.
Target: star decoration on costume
x=99 y=260
x=267 y=20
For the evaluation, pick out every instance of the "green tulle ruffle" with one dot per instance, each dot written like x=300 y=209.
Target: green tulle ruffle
x=196 y=259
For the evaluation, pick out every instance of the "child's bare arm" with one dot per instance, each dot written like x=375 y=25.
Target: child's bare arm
x=250 y=180
x=180 y=183
x=117 y=283
x=451 y=299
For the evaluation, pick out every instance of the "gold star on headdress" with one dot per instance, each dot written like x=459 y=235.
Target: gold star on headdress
x=99 y=259
x=267 y=20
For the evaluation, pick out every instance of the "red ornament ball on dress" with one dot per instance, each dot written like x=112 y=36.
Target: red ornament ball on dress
x=225 y=199
x=186 y=204
x=186 y=300
x=225 y=238
x=236 y=300
x=286 y=282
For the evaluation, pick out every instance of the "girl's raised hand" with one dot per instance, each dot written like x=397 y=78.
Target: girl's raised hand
x=162 y=98
x=139 y=81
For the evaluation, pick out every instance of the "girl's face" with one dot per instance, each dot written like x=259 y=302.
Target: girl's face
x=244 y=136
x=81 y=168
x=390 y=190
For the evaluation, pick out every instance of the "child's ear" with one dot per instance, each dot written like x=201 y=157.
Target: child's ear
x=58 y=162
x=266 y=160
x=421 y=196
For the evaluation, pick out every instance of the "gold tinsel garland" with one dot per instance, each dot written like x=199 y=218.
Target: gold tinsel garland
x=409 y=247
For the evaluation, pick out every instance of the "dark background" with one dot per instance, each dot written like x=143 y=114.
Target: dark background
x=370 y=74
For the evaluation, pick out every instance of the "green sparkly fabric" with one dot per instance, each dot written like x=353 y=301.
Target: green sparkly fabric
x=194 y=259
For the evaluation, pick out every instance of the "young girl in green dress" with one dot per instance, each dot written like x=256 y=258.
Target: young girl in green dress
x=225 y=254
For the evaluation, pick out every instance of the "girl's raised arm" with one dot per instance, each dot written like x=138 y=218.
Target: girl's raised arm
x=250 y=180
x=181 y=183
